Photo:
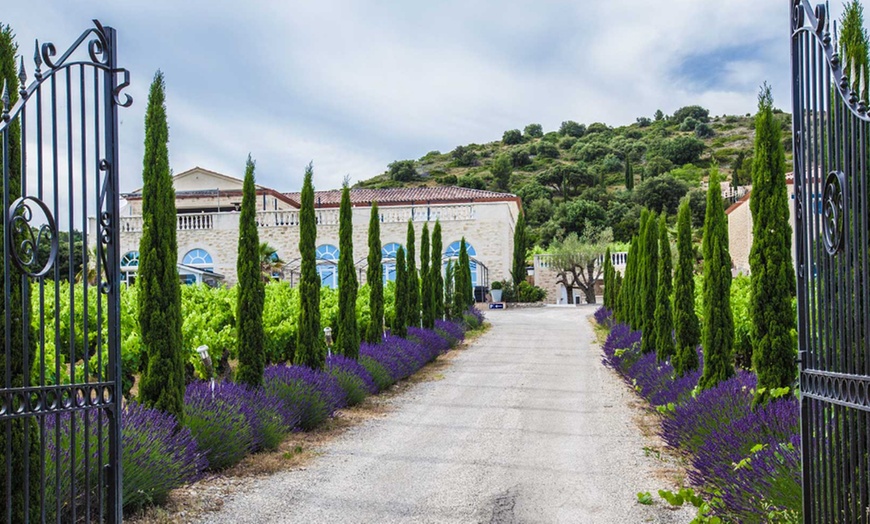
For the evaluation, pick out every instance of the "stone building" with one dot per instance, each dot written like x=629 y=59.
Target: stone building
x=208 y=217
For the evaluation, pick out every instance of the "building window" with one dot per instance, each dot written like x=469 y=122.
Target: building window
x=199 y=258
x=452 y=252
x=130 y=260
x=388 y=258
x=327 y=265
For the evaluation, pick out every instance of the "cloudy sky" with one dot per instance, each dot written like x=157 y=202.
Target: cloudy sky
x=354 y=85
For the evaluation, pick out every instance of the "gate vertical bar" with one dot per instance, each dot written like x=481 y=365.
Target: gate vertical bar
x=111 y=235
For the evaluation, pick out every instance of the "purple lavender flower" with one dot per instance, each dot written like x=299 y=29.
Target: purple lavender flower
x=317 y=393
x=603 y=316
x=353 y=378
x=220 y=421
x=430 y=339
x=450 y=330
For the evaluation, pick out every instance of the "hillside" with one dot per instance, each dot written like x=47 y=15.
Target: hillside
x=577 y=175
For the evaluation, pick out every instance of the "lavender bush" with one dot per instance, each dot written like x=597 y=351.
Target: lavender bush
x=379 y=373
x=220 y=421
x=158 y=457
x=318 y=394
x=451 y=331
x=429 y=339
x=273 y=419
x=603 y=316
x=353 y=378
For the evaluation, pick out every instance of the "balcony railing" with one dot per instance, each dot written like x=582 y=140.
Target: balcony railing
x=270 y=219
x=617 y=259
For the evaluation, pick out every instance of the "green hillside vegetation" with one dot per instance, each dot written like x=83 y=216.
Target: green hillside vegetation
x=577 y=175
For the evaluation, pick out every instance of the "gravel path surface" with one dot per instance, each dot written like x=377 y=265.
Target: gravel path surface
x=525 y=426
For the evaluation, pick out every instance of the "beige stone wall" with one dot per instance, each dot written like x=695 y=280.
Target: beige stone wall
x=488 y=228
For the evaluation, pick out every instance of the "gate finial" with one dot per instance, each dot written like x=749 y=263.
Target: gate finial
x=38 y=61
x=22 y=77
x=4 y=97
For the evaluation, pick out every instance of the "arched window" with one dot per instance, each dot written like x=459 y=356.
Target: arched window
x=452 y=251
x=130 y=260
x=388 y=257
x=198 y=258
x=327 y=265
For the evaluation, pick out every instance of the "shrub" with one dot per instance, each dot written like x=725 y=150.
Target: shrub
x=158 y=457
x=379 y=373
x=317 y=393
x=353 y=378
x=273 y=419
x=512 y=137
x=220 y=421
x=430 y=339
x=572 y=128
x=402 y=170
x=534 y=131
x=452 y=332
x=603 y=316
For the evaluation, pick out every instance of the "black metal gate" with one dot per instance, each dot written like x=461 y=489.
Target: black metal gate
x=60 y=402
x=832 y=211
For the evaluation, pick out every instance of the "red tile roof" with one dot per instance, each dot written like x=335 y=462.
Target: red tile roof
x=406 y=195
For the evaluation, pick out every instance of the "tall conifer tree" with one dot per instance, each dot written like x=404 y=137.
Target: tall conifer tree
x=518 y=267
x=400 y=321
x=629 y=176
x=650 y=283
x=251 y=290
x=854 y=47
x=638 y=300
x=772 y=273
x=413 y=279
x=18 y=300
x=427 y=301
x=465 y=263
x=687 y=331
x=718 y=330
x=347 y=341
x=310 y=347
x=437 y=278
x=375 y=279
x=162 y=383
x=664 y=316
x=608 y=284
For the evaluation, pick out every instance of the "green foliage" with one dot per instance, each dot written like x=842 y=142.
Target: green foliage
x=310 y=350
x=375 y=279
x=854 y=46
x=19 y=300
x=251 y=293
x=518 y=265
x=697 y=113
x=401 y=312
x=572 y=128
x=548 y=150
x=461 y=283
x=512 y=137
x=465 y=266
x=533 y=131
x=772 y=272
x=427 y=300
x=348 y=337
x=681 y=150
x=162 y=382
x=629 y=176
x=501 y=170
x=402 y=171
x=464 y=156
x=471 y=182
x=664 y=320
x=649 y=291
x=608 y=280
x=656 y=165
x=718 y=329
x=661 y=194
x=435 y=268
x=703 y=130
x=687 y=331
x=413 y=318
x=645 y=498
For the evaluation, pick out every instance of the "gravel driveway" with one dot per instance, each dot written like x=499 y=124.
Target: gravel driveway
x=525 y=426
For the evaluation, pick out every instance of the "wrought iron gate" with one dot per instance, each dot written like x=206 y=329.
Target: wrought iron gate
x=60 y=402
x=832 y=210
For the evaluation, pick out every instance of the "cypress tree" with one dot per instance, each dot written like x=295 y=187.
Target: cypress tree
x=664 y=317
x=252 y=291
x=449 y=285
x=375 y=279
x=162 y=383
x=413 y=279
x=400 y=322
x=617 y=290
x=465 y=266
x=772 y=273
x=347 y=338
x=854 y=47
x=518 y=267
x=718 y=331
x=629 y=176
x=687 y=331
x=626 y=304
x=427 y=301
x=650 y=284
x=19 y=301
x=639 y=302
x=608 y=283
x=437 y=278
x=310 y=348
